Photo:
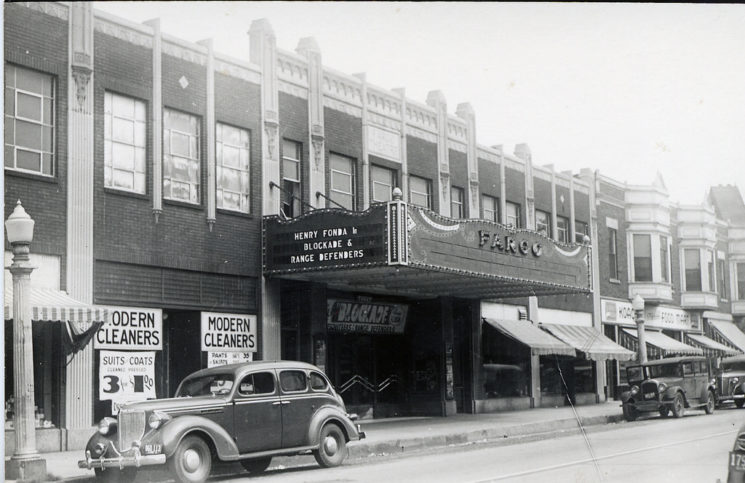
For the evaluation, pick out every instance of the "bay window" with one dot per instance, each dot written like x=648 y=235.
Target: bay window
x=642 y=246
x=692 y=263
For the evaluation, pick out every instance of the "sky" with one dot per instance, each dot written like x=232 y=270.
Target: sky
x=631 y=90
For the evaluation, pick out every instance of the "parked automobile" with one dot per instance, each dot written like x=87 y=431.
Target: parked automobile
x=736 y=465
x=730 y=378
x=241 y=412
x=669 y=385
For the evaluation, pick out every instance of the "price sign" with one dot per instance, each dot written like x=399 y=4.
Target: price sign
x=126 y=376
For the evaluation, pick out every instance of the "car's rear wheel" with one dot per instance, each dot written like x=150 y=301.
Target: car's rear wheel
x=332 y=447
x=664 y=411
x=630 y=413
x=710 y=403
x=257 y=465
x=115 y=475
x=192 y=461
x=739 y=402
x=678 y=407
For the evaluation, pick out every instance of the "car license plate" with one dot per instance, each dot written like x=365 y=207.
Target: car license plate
x=648 y=395
x=737 y=461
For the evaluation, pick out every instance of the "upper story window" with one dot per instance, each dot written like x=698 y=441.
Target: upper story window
x=292 y=153
x=664 y=259
x=581 y=229
x=711 y=287
x=613 y=253
x=490 y=208
x=543 y=222
x=512 y=214
x=642 y=245
x=692 y=262
x=721 y=279
x=382 y=181
x=233 y=168
x=342 y=180
x=740 y=272
x=420 y=192
x=29 y=121
x=125 y=124
x=456 y=203
x=562 y=229
x=181 y=157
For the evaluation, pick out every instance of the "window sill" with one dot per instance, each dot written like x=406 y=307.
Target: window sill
x=615 y=281
x=239 y=214
x=126 y=194
x=183 y=204
x=35 y=177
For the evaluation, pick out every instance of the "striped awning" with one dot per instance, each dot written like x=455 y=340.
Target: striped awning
x=729 y=332
x=590 y=341
x=711 y=347
x=662 y=345
x=55 y=305
x=539 y=341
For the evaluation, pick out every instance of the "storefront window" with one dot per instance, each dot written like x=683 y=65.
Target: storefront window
x=692 y=259
x=543 y=223
x=642 y=258
x=490 y=208
x=506 y=366
x=551 y=374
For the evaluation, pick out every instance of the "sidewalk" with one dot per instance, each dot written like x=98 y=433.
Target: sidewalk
x=386 y=437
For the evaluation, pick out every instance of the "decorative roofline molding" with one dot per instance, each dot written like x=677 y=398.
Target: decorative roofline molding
x=140 y=35
x=181 y=49
x=54 y=9
x=292 y=89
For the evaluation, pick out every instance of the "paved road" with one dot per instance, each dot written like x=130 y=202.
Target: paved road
x=693 y=449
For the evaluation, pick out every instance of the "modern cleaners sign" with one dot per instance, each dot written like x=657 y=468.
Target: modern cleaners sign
x=228 y=332
x=131 y=328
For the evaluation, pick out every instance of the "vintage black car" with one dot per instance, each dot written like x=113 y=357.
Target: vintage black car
x=736 y=473
x=731 y=380
x=241 y=412
x=669 y=385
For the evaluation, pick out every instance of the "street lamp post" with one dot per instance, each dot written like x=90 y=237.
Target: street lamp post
x=26 y=462
x=637 y=303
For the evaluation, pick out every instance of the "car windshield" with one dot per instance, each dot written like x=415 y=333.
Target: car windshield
x=738 y=366
x=665 y=370
x=212 y=385
x=634 y=373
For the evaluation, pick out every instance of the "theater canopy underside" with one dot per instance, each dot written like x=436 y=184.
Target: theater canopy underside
x=399 y=249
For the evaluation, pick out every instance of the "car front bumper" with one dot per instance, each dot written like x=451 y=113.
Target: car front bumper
x=121 y=461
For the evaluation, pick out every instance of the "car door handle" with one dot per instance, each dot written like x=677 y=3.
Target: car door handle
x=286 y=402
x=276 y=403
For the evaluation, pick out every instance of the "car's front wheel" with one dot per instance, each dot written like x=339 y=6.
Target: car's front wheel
x=192 y=461
x=257 y=465
x=664 y=411
x=711 y=401
x=115 y=475
x=332 y=447
x=629 y=412
x=739 y=402
x=679 y=406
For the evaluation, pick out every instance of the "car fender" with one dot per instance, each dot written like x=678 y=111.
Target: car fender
x=705 y=392
x=327 y=414
x=670 y=393
x=177 y=428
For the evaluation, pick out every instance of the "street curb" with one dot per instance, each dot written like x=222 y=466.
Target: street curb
x=515 y=434
x=538 y=430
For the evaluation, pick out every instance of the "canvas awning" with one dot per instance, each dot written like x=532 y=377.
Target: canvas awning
x=55 y=305
x=662 y=345
x=590 y=341
x=729 y=332
x=539 y=341
x=711 y=347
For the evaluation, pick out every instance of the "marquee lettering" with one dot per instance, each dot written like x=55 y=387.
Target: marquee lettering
x=508 y=244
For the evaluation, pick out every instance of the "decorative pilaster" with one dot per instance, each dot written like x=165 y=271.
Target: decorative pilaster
x=436 y=100
x=157 y=115
x=210 y=131
x=522 y=151
x=263 y=52
x=465 y=112
x=365 y=148
x=502 y=186
x=80 y=134
x=404 y=158
x=308 y=48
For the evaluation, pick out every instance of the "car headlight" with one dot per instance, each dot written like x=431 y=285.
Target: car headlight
x=634 y=390
x=662 y=387
x=156 y=419
x=735 y=380
x=107 y=426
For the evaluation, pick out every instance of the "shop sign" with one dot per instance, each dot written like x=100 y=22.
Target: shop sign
x=325 y=239
x=131 y=328
x=658 y=317
x=228 y=332
x=126 y=376
x=366 y=317
x=223 y=358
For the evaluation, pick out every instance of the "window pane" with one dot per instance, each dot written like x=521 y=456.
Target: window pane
x=28 y=160
x=741 y=281
x=124 y=106
x=642 y=258
x=179 y=144
x=123 y=179
x=30 y=80
x=231 y=156
x=291 y=169
x=28 y=135
x=10 y=102
x=29 y=106
x=232 y=168
x=123 y=131
x=341 y=181
x=692 y=260
x=124 y=156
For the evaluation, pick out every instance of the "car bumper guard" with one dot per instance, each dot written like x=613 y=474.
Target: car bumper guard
x=121 y=462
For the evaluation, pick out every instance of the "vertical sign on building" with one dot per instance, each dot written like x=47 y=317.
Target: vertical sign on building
x=398 y=250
